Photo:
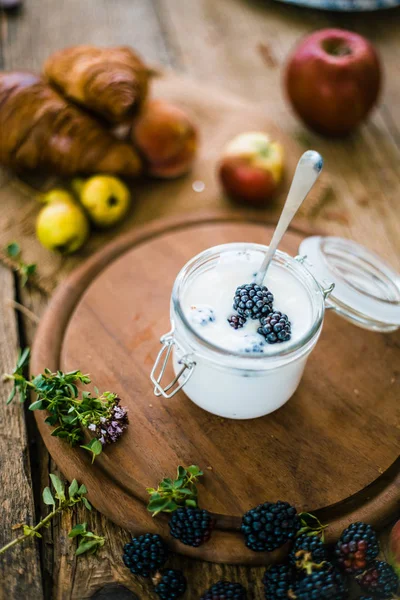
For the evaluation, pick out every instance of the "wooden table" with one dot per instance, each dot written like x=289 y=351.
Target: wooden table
x=239 y=45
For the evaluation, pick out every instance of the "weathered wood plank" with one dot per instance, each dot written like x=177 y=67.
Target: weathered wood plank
x=20 y=566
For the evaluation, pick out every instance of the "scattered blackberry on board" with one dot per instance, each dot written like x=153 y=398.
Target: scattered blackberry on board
x=277 y=581
x=379 y=579
x=308 y=546
x=236 y=321
x=320 y=584
x=269 y=526
x=252 y=300
x=191 y=526
x=357 y=546
x=169 y=584
x=275 y=327
x=145 y=554
x=225 y=590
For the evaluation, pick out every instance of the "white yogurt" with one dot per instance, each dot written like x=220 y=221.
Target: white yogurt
x=236 y=373
x=208 y=303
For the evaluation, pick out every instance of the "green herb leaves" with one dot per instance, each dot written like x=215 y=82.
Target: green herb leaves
x=69 y=414
x=76 y=493
x=87 y=540
x=311 y=525
x=60 y=499
x=25 y=270
x=171 y=494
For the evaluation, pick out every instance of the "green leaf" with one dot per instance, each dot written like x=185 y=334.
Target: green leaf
x=86 y=503
x=94 y=446
x=181 y=474
x=79 y=529
x=186 y=492
x=23 y=357
x=69 y=419
x=191 y=503
x=86 y=546
x=82 y=490
x=73 y=489
x=161 y=505
x=51 y=420
x=195 y=471
x=48 y=497
x=58 y=486
x=38 y=405
x=13 y=250
x=11 y=395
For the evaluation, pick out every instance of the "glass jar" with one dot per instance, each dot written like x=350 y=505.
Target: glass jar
x=245 y=386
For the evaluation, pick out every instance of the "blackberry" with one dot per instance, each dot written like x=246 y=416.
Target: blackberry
x=308 y=546
x=277 y=581
x=145 y=554
x=357 y=546
x=252 y=300
x=170 y=584
x=225 y=590
x=269 y=526
x=191 y=526
x=275 y=327
x=236 y=321
x=379 y=579
x=325 y=584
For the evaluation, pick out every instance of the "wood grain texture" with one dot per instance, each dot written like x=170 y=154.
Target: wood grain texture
x=19 y=567
x=333 y=436
x=219 y=43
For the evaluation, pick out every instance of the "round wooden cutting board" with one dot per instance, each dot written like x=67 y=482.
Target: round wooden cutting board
x=332 y=449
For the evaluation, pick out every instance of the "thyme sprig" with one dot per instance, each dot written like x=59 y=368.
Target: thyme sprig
x=170 y=494
x=60 y=500
x=69 y=412
x=87 y=540
x=310 y=525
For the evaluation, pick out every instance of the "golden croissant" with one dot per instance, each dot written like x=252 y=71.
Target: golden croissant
x=112 y=82
x=40 y=130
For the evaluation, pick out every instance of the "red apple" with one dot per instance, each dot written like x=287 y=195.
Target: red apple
x=166 y=138
x=333 y=80
x=394 y=548
x=251 y=168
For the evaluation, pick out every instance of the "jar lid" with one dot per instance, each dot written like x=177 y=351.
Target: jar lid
x=367 y=289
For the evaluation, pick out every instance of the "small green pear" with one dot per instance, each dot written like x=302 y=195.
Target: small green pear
x=62 y=225
x=106 y=200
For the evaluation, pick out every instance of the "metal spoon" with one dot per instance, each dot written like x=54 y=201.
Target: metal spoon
x=307 y=172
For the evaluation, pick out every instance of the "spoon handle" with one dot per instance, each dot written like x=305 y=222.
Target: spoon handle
x=307 y=172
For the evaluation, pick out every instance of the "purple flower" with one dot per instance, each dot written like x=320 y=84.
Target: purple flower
x=112 y=428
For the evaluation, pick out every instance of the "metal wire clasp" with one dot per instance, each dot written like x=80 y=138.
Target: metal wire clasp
x=168 y=342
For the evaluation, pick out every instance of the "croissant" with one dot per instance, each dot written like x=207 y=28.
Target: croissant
x=112 y=82
x=41 y=130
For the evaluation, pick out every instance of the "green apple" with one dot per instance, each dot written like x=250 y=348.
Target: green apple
x=106 y=199
x=62 y=225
